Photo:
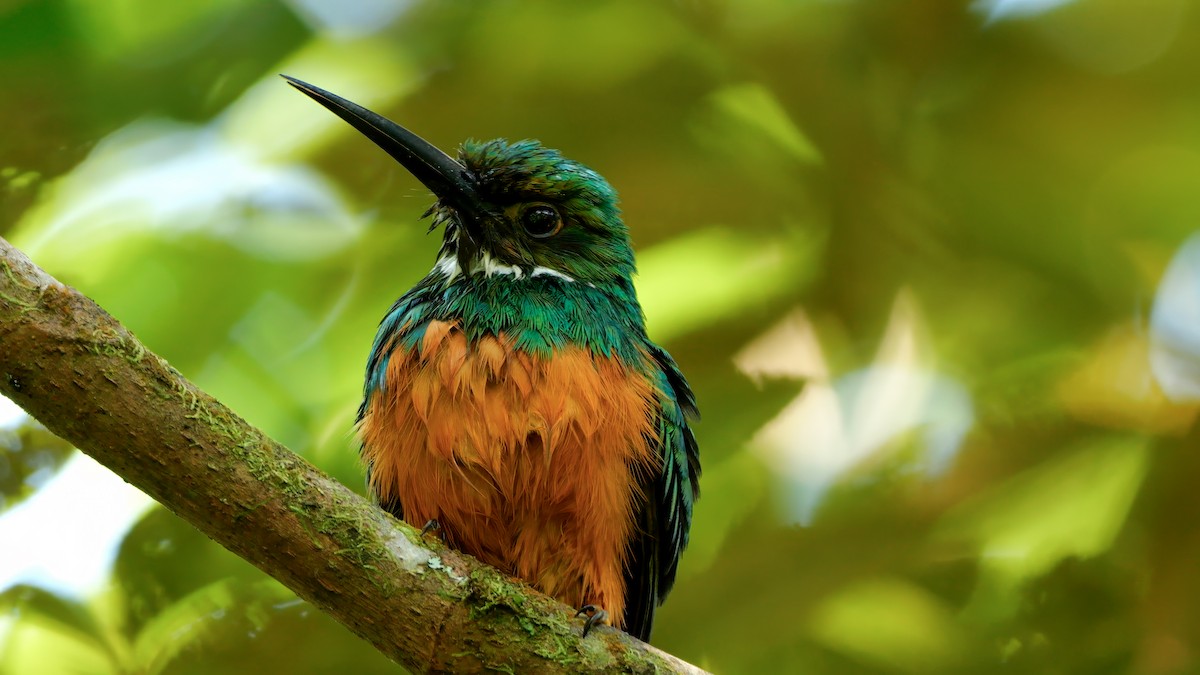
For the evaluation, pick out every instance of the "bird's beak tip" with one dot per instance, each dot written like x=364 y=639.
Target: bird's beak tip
x=442 y=174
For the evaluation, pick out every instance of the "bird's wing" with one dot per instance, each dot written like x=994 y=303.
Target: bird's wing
x=666 y=516
x=404 y=312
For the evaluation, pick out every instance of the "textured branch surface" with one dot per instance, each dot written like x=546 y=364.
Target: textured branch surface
x=89 y=380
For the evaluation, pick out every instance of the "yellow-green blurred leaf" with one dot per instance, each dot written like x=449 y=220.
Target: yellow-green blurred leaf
x=124 y=28
x=35 y=645
x=1072 y=504
x=890 y=623
x=754 y=105
x=198 y=617
x=715 y=274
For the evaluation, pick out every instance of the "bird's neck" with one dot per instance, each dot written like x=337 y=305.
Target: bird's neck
x=542 y=311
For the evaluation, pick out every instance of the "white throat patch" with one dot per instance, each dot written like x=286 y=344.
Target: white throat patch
x=487 y=266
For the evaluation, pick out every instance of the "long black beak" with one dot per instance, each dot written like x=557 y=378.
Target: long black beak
x=446 y=178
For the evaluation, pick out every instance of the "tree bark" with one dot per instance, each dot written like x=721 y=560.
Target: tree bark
x=431 y=609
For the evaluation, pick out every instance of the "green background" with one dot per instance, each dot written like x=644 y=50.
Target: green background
x=907 y=252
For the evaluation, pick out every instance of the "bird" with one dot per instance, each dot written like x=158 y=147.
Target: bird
x=513 y=400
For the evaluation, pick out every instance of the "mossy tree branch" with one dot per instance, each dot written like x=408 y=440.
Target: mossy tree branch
x=431 y=609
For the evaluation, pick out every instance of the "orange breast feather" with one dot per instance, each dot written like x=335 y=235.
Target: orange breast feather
x=530 y=464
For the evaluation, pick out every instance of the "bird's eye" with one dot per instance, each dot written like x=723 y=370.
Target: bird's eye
x=541 y=220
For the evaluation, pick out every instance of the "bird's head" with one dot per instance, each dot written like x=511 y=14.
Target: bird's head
x=513 y=208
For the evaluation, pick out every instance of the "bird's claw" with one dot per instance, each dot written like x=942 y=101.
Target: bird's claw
x=432 y=525
x=595 y=615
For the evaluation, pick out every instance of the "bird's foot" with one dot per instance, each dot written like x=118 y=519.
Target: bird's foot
x=595 y=615
x=432 y=525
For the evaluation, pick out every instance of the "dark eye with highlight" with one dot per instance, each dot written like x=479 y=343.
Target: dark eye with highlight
x=541 y=220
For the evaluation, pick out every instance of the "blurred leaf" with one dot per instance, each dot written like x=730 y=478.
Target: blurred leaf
x=754 y=105
x=1111 y=35
x=1114 y=387
x=154 y=182
x=29 y=456
x=164 y=560
x=891 y=623
x=192 y=604
x=288 y=635
x=67 y=616
x=34 y=32
x=374 y=73
x=715 y=274
x=1072 y=504
x=623 y=38
x=205 y=617
x=122 y=28
x=34 y=647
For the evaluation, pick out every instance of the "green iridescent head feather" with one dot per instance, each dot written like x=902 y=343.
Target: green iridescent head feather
x=593 y=244
x=494 y=277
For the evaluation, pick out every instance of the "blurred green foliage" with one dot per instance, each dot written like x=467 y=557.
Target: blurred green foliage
x=906 y=253
x=29 y=456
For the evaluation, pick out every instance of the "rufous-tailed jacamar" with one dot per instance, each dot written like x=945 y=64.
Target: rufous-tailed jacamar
x=513 y=397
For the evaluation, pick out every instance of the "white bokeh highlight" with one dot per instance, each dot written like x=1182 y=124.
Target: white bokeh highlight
x=65 y=537
x=1175 y=326
x=839 y=424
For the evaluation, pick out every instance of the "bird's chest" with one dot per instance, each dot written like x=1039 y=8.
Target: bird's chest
x=481 y=435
